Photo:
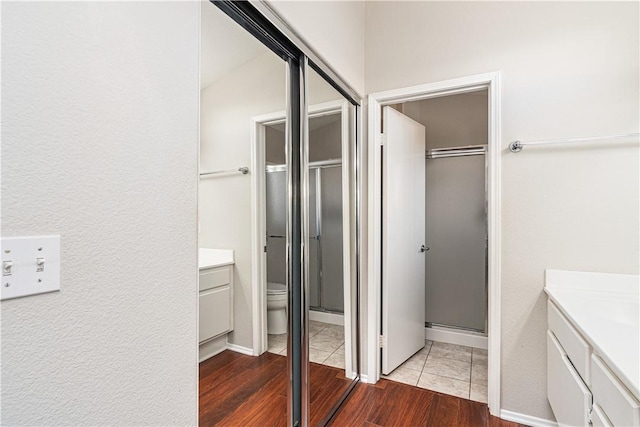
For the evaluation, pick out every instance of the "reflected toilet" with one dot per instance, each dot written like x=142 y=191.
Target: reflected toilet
x=276 y=308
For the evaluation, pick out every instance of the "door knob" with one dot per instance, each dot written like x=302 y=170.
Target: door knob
x=424 y=248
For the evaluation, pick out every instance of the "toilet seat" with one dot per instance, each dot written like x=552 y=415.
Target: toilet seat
x=276 y=288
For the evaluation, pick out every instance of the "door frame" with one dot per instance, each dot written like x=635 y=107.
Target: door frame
x=258 y=222
x=491 y=82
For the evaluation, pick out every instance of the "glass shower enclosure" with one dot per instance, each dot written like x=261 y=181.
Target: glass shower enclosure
x=325 y=232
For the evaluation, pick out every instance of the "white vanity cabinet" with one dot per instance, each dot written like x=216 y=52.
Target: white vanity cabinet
x=216 y=302
x=593 y=353
x=567 y=391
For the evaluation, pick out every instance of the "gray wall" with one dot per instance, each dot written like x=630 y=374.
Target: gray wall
x=452 y=121
x=274 y=146
x=99 y=145
x=325 y=142
x=568 y=69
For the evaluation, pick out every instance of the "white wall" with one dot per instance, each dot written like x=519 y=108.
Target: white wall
x=568 y=69
x=227 y=106
x=334 y=30
x=99 y=145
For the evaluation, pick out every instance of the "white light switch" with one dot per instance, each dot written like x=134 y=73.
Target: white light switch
x=31 y=265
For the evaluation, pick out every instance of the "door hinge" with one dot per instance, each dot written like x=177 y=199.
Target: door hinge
x=382 y=341
x=382 y=138
x=265 y=249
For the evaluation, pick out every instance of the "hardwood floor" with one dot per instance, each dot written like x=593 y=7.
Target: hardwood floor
x=236 y=389
x=389 y=403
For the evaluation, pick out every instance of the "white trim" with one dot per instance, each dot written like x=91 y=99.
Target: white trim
x=525 y=419
x=258 y=219
x=490 y=81
x=453 y=336
x=325 y=317
x=364 y=378
x=240 y=349
x=210 y=348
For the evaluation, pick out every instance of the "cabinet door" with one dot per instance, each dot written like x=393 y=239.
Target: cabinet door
x=214 y=277
x=215 y=312
x=568 y=396
x=598 y=418
x=619 y=405
x=576 y=348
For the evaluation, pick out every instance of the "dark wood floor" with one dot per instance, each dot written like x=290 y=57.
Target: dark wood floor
x=389 y=403
x=236 y=389
x=251 y=391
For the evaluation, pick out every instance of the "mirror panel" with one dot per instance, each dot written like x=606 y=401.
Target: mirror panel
x=331 y=255
x=241 y=79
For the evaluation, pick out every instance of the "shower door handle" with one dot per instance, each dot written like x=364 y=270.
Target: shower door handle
x=424 y=248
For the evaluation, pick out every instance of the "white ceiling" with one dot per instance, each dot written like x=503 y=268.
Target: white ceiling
x=225 y=45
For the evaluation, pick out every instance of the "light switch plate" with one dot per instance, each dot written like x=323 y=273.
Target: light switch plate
x=34 y=265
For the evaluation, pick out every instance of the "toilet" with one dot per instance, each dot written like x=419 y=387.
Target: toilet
x=276 y=308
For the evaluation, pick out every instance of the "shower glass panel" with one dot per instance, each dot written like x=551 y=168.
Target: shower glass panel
x=456 y=233
x=325 y=239
x=332 y=239
x=276 y=193
x=314 y=240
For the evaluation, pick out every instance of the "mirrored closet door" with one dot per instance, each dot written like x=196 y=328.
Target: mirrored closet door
x=241 y=78
x=278 y=232
x=330 y=228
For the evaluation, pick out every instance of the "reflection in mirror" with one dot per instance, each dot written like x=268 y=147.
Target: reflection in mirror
x=331 y=233
x=331 y=243
x=240 y=382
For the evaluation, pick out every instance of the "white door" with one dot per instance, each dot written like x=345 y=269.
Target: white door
x=403 y=257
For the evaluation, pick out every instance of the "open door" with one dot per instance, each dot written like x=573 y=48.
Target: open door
x=403 y=257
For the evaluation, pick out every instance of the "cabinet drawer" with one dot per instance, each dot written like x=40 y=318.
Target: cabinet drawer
x=215 y=312
x=575 y=347
x=614 y=399
x=598 y=418
x=568 y=396
x=214 y=277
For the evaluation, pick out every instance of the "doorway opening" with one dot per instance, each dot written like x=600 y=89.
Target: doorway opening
x=434 y=243
x=331 y=341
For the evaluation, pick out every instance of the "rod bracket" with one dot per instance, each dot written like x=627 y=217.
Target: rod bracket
x=515 y=146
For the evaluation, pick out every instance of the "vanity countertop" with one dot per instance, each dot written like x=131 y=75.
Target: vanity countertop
x=211 y=258
x=605 y=308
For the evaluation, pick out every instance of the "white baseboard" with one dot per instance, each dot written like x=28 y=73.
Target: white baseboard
x=364 y=379
x=211 y=348
x=525 y=419
x=240 y=349
x=324 y=317
x=453 y=336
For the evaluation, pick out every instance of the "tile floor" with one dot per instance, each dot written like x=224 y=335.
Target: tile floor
x=326 y=344
x=446 y=368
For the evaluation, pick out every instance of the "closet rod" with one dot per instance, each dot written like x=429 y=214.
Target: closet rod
x=243 y=170
x=516 y=146
x=467 y=150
